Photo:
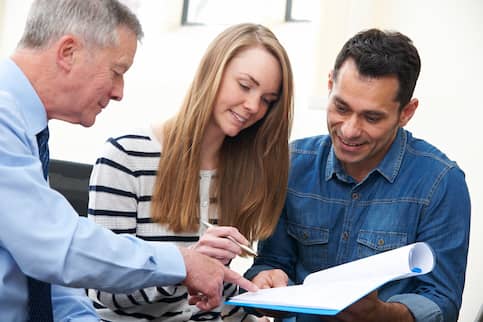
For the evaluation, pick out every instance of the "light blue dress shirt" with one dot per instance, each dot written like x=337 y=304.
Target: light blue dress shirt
x=42 y=236
x=415 y=194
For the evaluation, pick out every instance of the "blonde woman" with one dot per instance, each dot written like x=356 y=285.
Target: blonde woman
x=222 y=159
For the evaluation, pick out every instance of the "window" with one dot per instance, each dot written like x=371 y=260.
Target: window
x=300 y=10
x=203 y=12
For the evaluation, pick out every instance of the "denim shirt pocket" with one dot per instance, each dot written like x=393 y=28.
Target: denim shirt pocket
x=374 y=242
x=312 y=245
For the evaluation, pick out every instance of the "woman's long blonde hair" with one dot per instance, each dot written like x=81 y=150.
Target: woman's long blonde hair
x=251 y=179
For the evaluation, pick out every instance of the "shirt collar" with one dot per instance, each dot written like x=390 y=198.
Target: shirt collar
x=30 y=105
x=388 y=167
x=333 y=165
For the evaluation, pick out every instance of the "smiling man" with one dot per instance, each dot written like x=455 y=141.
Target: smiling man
x=371 y=186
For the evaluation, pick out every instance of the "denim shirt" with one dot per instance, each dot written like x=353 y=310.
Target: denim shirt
x=415 y=194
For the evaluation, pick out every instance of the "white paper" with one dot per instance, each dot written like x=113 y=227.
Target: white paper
x=340 y=286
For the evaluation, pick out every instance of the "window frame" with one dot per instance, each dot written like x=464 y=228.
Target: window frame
x=288 y=13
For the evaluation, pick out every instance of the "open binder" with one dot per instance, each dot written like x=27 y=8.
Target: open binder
x=329 y=291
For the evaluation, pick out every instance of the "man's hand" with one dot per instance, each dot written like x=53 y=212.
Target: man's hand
x=270 y=279
x=204 y=279
x=371 y=309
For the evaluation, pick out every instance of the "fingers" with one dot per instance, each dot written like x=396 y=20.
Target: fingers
x=209 y=295
x=234 y=277
x=261 y=282
x=221 y=248
x=204 y=302
x=225 y=231
x=216 y=243
x=279 y=278
x=204 y=279
x=271 y=278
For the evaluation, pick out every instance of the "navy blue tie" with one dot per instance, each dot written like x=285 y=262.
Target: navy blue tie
x=43 y=143
x=40 y=304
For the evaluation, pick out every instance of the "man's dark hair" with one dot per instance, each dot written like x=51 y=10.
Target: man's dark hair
x=378 y=53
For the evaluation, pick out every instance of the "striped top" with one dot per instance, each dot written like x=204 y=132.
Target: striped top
x=120 y=193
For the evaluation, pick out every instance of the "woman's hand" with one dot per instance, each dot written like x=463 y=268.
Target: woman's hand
x=214 y=243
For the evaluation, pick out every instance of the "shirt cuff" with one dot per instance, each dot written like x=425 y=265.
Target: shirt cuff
x=255 y=269
x=422 y=308
x=170 y=263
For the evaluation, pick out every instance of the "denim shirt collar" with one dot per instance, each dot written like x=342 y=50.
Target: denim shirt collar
x=388 y=167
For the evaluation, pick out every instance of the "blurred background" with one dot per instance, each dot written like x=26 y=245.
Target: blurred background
x=447 y=33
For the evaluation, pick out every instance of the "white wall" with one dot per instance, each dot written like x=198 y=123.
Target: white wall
x=446 y=32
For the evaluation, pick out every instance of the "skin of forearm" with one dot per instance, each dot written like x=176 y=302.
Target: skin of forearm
x=396 y=312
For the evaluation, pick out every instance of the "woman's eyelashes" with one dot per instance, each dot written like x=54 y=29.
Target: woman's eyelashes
x=244 y=86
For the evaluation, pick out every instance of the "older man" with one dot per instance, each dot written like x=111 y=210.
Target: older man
x=68 y=65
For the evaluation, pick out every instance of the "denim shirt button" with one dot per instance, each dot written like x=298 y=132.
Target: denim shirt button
x=380 y=242
x=305 y=235
x=355 y=195
x=345 y=235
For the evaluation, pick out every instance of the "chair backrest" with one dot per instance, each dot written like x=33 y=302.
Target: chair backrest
x=71 y=179
x=479 y=317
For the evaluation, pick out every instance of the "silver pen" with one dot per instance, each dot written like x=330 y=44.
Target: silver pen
x=245 y=248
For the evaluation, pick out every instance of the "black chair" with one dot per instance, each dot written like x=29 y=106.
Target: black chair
x=71 y=179
x=479 y=317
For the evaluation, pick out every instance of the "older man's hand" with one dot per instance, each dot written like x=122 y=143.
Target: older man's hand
x=204 y=279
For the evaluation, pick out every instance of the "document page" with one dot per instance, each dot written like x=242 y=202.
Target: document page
x=330 y=291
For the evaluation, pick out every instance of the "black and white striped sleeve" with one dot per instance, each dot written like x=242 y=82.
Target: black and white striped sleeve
x=113 y=196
